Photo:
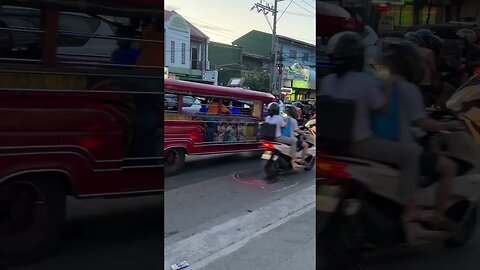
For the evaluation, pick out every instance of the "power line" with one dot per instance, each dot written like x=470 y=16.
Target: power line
x=302 y=7
x=285 y=10
x=307 y=4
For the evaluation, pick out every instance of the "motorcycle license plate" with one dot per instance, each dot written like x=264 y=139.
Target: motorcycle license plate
x=328 y=198
x=267 y=155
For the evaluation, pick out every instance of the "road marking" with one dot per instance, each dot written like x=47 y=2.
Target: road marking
x=285 y=188
x=220 y=240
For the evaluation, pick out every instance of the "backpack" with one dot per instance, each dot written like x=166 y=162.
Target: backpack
x=387 y=124
x=334 y=124
x=286 y=130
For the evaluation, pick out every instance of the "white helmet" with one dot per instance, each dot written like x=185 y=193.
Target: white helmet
x=467 y=34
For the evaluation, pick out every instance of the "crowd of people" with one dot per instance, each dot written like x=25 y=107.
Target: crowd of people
x=387 y=107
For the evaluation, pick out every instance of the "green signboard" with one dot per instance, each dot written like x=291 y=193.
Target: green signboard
x=300 y=84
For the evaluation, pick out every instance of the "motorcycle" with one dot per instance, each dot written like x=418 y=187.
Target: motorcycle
x=276 y=158
x=357 y=203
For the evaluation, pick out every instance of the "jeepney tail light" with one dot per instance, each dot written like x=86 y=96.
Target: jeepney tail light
x=268 y=145
x=90 y=142
x=333 y=169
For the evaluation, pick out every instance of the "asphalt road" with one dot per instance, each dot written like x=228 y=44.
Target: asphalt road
x=109 y=234
x=221 y=213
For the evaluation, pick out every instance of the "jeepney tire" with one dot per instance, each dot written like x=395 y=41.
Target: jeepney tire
x=178 y=155
x=45 y=222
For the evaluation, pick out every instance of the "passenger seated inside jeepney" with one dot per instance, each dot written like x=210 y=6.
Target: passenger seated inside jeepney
x=6 y=40
x=125 y=54
x=235 y=107
x=204 y=107
x=149 y=55
x=214 y=108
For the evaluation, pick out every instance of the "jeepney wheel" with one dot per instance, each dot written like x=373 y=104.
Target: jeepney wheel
x=32 y=214
x=174 y=160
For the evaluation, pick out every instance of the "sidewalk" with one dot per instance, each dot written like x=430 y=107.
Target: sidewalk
x=289 y=246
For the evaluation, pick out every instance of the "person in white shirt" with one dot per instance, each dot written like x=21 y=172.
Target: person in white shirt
x=275 y=118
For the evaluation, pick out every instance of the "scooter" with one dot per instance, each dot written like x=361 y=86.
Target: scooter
x=276 y=158
x=358 y=209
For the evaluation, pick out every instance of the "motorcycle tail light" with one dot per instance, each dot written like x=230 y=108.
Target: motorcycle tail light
x=333 y=169
x=268 y=145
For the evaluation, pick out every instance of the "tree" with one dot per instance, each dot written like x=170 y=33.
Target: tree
x=258 y=81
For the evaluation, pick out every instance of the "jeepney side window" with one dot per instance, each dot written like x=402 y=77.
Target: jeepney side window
x=20 y=35
x=193 y=104
x=239 y=107
x=258 y=109
x=170 y=102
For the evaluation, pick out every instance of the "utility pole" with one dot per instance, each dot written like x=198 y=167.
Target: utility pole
x=267 y=8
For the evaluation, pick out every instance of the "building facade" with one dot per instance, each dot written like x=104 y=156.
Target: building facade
x=295 y=62
x=186 y=50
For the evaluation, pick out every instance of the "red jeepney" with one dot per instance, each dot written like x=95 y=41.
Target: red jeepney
x=205 y=119
x=76 y=118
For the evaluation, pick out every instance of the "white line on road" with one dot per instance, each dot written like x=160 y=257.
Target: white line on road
x=220 y=240
x=285 y=188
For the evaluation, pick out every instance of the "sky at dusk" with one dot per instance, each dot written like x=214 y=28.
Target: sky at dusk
x=226 y=20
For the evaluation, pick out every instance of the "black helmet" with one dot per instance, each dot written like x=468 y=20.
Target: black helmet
x=298 y=104
x=402 y=59
x=412 y=36
x=425 y=36
x=345 y=45
x=273 y=108
x=291 y=111
x=346 y=51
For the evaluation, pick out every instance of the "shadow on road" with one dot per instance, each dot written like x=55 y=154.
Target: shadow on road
x=109 y=234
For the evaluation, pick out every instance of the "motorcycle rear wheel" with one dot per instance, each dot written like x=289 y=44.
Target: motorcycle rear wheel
x=271 y=169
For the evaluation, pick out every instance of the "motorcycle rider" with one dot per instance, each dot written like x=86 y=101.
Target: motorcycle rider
x=300 y=111
x=401 y=59
x=275 y=118
x=429 y=82
x=346 y=51
x=470 y=51
x=292 y=113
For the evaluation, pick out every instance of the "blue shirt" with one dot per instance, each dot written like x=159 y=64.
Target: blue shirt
x=125 y=57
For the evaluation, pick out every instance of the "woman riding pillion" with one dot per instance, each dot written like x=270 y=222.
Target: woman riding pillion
x=291 y=128
x=407 y=109
x=346 y=51
x=275 y=118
